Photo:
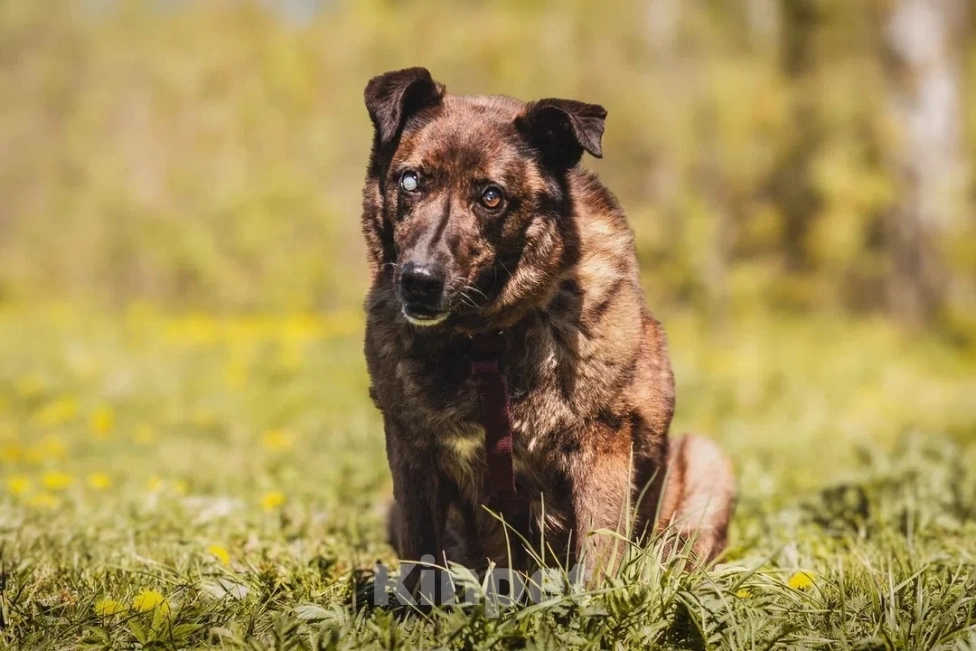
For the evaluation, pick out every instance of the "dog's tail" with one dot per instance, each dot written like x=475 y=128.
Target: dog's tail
x=699 y=495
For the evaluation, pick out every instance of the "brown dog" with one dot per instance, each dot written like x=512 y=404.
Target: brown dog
x=480 y=227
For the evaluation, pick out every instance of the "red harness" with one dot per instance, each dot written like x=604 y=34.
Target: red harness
x=486 y=354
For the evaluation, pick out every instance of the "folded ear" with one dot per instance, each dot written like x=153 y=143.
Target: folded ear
x=393 y=97
x=562 y=129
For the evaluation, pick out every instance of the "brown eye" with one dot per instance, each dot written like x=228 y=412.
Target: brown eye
x=491 y=197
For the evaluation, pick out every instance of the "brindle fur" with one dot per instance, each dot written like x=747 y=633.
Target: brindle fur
x=555 y=271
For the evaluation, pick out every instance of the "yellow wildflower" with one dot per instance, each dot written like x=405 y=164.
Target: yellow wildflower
x=148 y=600
x=56 y=480
x=340 y=324
x=742 y=593
x=99 y=481
x=60 y=411
x=276 y=440
x=272 y=500
x=108 y=607
x=154 y=484
x=11 y=452
x=179 y=487
x=801 y=581
x=18 y=485
x=50 y=447
x=102 y=421
x=44 y=501
x=220 y=553
x=144 y=433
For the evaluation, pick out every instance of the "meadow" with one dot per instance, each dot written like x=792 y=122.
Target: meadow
x=188 y=455
x=179 y=481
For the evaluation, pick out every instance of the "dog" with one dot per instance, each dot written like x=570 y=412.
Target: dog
x=524 y=386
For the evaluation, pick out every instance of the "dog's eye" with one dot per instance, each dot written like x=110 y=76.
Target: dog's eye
x=491 y=197
x=409 y=181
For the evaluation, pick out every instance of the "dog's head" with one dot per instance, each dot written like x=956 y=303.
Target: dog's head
x=467 y=199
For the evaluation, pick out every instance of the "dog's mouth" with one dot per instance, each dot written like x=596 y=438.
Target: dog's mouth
x=423 y=318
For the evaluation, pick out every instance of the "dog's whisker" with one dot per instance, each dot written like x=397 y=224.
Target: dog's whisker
x=467 y=300
x=471 y=300
x=473 y=288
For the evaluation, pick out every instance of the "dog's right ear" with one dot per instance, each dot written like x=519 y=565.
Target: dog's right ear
x=393 y=97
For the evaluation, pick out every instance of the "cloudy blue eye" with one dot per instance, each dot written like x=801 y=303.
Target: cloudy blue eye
x=409 y=181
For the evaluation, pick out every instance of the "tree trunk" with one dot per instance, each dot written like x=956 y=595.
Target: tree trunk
x=762 y=17
x=663 y=19
x=922 y=67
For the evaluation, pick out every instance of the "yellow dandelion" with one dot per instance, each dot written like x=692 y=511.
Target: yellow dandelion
x=220 y=553
x=801 y=581
x=54 y=447
x=44 y=501
x=340 y=324
x=49 y=447
x=272 y=500
x=58 y=412
x=99 y=481
x=102 y=422
x=300 y=328
x=144 y=434
x=148 y=600
x=108 y=607
x=276 y=440
x=56 y=480
x=742 y=593
x=18 y=485
x=11 y=452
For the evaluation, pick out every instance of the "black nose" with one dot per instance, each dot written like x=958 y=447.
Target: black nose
x=422 y=285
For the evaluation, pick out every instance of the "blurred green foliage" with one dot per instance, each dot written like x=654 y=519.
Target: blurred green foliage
x=212 y=153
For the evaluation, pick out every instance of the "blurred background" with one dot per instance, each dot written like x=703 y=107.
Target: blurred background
x=787 y=155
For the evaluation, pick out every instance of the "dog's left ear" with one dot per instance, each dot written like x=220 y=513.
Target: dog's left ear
x=562 y=129
x=393 y=97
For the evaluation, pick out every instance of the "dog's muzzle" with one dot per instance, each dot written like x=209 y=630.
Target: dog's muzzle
x=421 y=291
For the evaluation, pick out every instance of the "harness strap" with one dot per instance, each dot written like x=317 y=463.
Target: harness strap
x=486 y=353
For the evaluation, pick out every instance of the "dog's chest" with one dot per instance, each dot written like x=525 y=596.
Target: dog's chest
x=462 y=453
x=434 y=394
x=439 y=391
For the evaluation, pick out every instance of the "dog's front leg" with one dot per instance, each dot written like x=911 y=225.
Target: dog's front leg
x=601 y=498
x=422 y=497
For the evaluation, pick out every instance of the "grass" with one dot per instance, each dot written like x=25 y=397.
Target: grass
x=191 y=481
